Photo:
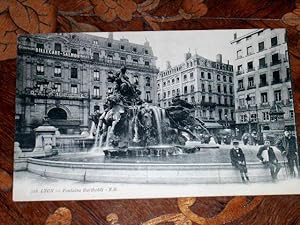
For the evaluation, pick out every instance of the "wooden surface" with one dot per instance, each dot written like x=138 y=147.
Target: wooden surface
x=43 y=16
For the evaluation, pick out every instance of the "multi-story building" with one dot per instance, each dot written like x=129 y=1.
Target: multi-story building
x=64 y=76
x=262 y=80
x=206 y=84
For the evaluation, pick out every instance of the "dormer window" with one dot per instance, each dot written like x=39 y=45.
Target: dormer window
x=57 y=47
x=40 y=46
x=95 y=42
x=146 y=51
x=122 y=47
x=108 y=44
x=134 y=49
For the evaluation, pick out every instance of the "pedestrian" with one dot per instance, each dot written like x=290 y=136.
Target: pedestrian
x=288 y=147
x=267 y=156
x=238 y=160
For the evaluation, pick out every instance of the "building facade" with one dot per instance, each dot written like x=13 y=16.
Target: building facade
x=206 y=84
x=64 y=76
x=262 y=80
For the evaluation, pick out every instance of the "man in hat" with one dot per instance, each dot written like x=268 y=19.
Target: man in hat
x=288 y=147
x=238 y=160
x=267 y=156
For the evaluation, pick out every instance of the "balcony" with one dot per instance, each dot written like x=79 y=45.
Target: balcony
x=251 y=87
x=262 y=66
x=263 y=84
x=265 y=105
x=96 y=97
x=275 y=62
x=250 y=70
x=240 y=89
x=278 y=81
x=239 y=72
x=208 y=104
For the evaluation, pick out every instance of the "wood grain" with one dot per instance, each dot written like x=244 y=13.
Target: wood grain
x=93 y=15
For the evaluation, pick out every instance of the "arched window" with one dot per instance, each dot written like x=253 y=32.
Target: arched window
x=57 y=114
x=57 y=47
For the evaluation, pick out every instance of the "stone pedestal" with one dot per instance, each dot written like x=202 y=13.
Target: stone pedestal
x=45 y=140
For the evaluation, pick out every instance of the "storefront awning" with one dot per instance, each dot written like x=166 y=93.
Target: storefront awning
x=212 y=125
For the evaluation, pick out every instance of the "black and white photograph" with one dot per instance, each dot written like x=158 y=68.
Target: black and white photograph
x=123 y=115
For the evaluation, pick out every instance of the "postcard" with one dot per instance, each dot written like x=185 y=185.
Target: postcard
x=125 y=115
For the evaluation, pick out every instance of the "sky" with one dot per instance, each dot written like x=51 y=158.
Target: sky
x=172 y=45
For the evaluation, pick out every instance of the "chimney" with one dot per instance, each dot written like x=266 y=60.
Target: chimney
x=187 y=55
x=234 y=36
x=110 y=35
x=227 y=62
x=219 y=58
x=168 y=64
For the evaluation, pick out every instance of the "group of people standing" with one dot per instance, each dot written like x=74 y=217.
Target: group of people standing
x=288 y=148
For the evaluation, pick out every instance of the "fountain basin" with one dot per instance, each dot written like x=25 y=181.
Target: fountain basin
x=196 y=173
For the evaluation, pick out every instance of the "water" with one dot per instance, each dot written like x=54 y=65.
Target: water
x=158 y=119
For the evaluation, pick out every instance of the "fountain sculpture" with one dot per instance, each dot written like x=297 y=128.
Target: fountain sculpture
x=129 y=125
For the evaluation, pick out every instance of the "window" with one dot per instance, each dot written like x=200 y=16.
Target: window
x=230 y=89
x=252 y=100
x=240 y=84
x=147 y=63
x=209 y=88
x=173 y=92
x=203 y=87
x=220 y=114
x=173 y=81
x=109 y=44
x=275 y=59
x=203 y=98
x=218 y=77
x=202 y=74
x=209 y=99
x=96 y=108
x=109 y=58
x=123 y=60
x=40 y=69
x=96 y=75
x=148 y=83
x=165 y=95
x=263 y=80
x=57 y=47
x=253 y=117
x=262 y=63
x=164 y=83
x=57 y=71
x=74 y=51
x=231 y=102
x=290 y=93
x=265 y=115
x=95 y=42
x=261 y=46
x=291 y=114
x=192 y=88
x=230 y=79
x=286 y=57
x=96 y=56
x=169 y=93
x=168 y=82
x=277 y=95
x=74 y=89
x=146 y=51
x=219 y=88
x=239 y=54
x=74 y=73
x=224 y=78
x=135 y=61
x=148 y=96
x=178 y=91
x=136 y=80
x=184 y=77
x=249 y=50
x=264 y=97
x=40 y=46
x=288 y=74
x=158 y=96
x=134 y=49
x=185 y=89
x=225 y=88
x=219 y=100
x=208 y=75
x=57 y=86
x=96 y=92
x=244 y=117
x=191 y=76
x=274 y=41
x=250 y=66
x=225 y=101
x=177 y=80
x=239 y=69
x=241 y=101
x=250 y=82
x=276 y=77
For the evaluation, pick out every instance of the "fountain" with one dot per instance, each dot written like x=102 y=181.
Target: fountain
x=129 y=126
x=135 y=142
